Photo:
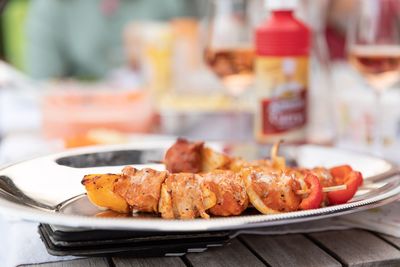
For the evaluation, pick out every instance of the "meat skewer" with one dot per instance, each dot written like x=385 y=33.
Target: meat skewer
x=189 y=195
x=185 y=156
x=225 y=189
x=341 y=179
x=178 y=195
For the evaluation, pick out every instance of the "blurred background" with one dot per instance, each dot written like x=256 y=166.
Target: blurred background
x=76 y=73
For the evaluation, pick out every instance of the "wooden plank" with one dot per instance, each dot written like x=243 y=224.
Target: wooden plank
x=289 y=250
x=235 y=254
x=391 y=239
x=147 y=262
x=358 y=248
x=88 y=262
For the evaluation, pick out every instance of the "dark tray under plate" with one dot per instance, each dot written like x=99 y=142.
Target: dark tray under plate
x=61 y=241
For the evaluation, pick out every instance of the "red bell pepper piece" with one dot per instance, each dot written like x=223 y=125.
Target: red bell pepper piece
x=340 y=172
x=315 y=197
x=352 y=180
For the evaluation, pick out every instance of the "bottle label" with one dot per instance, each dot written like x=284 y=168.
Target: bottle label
x=283 y=114
x=281 y=86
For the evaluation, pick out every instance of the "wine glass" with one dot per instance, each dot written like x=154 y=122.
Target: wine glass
x=229 y=50
x=373 y=44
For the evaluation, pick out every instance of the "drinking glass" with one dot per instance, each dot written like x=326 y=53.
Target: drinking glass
x=229 y=49
x=373 y=44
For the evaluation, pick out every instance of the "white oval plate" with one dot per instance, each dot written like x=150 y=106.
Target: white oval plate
x=48 y=189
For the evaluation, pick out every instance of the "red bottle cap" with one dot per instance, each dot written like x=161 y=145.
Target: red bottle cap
x=282 y=35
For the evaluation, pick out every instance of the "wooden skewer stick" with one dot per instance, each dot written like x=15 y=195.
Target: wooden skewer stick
x=303 y=191
x=325 y=189
x=278 y=162
x=334 y=188
x=275 y=149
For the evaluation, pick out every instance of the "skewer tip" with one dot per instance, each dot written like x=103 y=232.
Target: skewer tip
x=325 y=189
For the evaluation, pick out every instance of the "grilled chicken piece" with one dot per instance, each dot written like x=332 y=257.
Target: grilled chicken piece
x=184 y=156
x=324 y=176
x=100 y=191
x=185 y=196
x=238 y=164
x=140 y=188
x=271 y=191
x=212 y=160
x=230 y=191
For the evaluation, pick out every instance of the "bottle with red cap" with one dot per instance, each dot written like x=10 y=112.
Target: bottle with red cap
x=282 y=45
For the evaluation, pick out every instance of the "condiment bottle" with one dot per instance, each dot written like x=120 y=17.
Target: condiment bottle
x=282 y=45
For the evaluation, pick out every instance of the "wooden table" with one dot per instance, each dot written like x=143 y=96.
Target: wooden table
x=333 y=248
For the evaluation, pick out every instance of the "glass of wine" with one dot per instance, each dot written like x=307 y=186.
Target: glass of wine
x=229 y=48
x=373 y=44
